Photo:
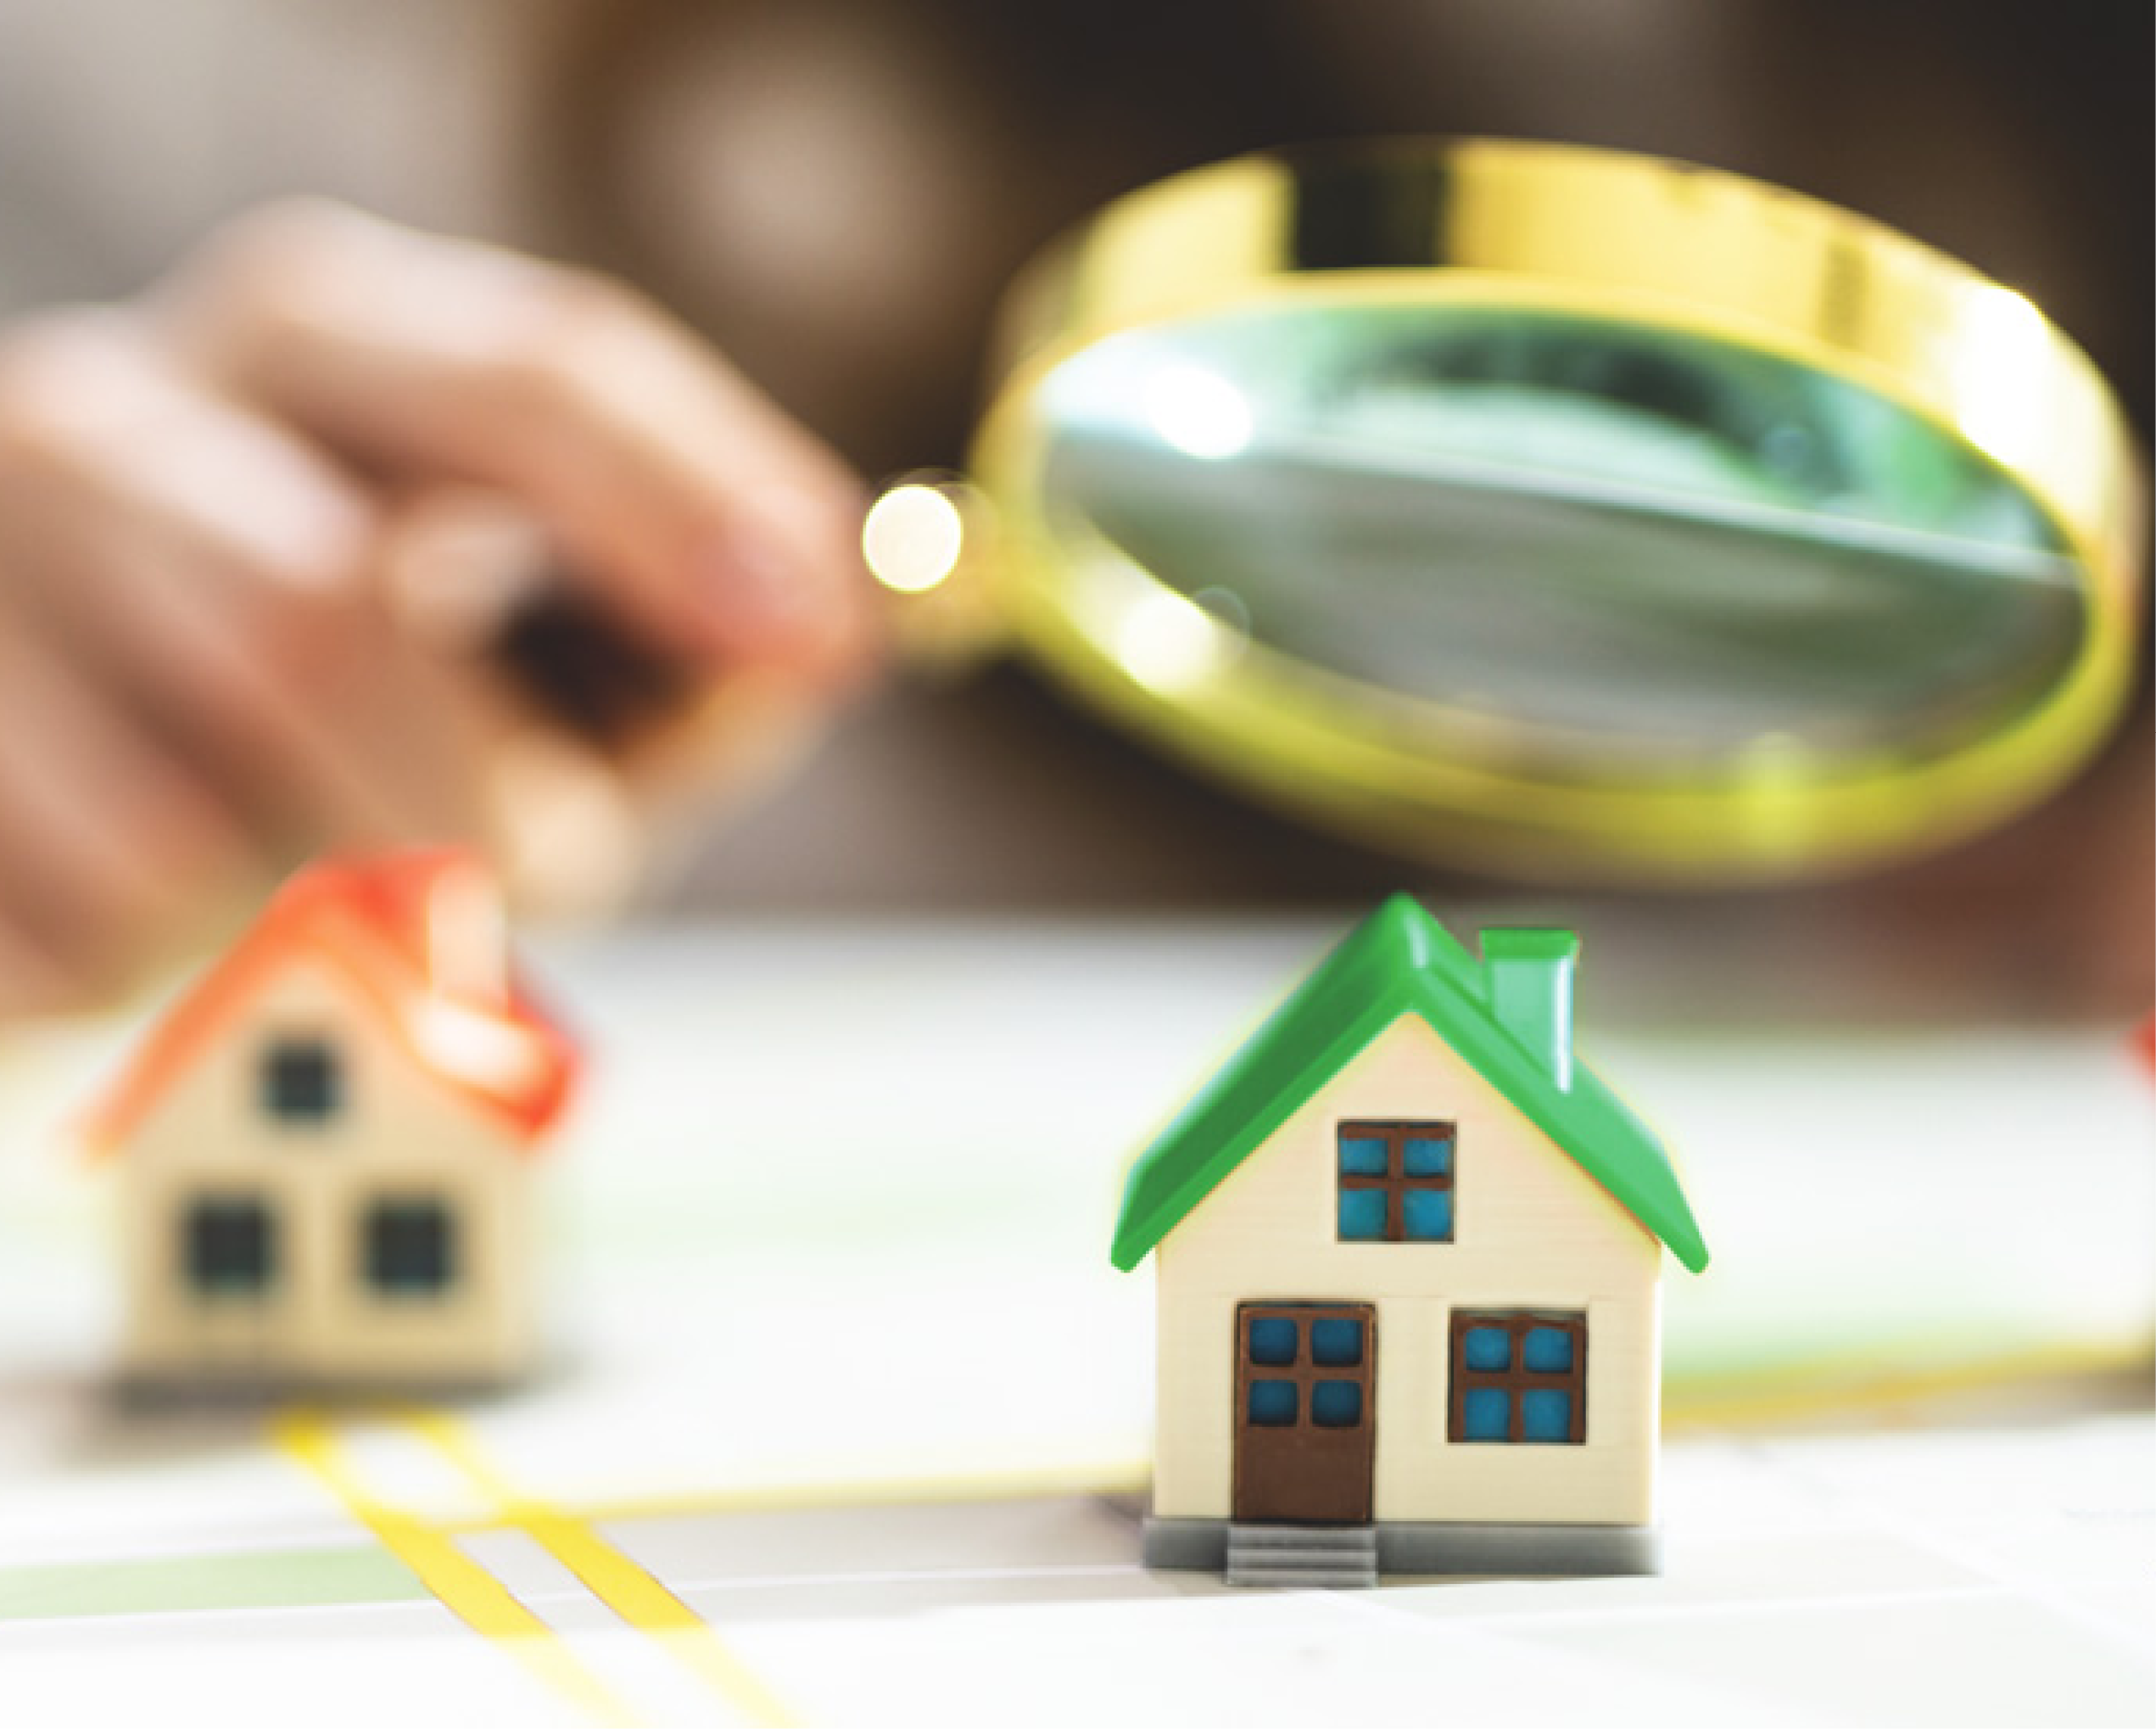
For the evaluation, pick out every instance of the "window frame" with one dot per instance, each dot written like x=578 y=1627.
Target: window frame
x=1516 y=1379
x=274 y=1104
x=195 y=1219
x=1395 y=1183
x=379 y=1209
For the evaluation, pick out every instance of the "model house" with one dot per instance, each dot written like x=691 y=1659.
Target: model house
x=325 y=1148
x=1408 y=1254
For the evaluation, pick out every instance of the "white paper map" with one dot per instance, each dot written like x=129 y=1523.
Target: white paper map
x=848 y=1423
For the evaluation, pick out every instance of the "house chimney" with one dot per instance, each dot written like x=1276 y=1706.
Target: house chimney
x=1530 y=975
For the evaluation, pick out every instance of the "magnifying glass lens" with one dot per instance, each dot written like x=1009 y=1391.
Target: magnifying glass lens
x=1618 y=548
x=1563 y=512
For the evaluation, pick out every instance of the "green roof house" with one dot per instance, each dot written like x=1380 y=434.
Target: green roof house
x=1409 y=1258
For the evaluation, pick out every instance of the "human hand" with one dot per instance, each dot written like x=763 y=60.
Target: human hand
x=258 y=529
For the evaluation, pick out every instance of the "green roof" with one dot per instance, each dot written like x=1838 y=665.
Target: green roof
x=1399 y=960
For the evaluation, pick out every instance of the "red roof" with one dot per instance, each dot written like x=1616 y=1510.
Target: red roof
x=379 y=922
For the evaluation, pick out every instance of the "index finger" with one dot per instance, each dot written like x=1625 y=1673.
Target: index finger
x=711 y=522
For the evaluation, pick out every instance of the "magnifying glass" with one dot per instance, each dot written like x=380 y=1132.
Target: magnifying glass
x=1552 y=510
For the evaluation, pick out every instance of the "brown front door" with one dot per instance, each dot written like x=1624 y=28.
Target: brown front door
x=1305 y=1427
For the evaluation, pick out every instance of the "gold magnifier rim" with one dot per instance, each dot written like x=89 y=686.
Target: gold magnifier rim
x=1608 y=236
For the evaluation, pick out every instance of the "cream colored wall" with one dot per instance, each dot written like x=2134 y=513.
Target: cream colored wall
x=1532 y=1231
x=399 y=1132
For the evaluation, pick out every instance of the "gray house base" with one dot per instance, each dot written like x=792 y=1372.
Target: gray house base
x=1436 y=1550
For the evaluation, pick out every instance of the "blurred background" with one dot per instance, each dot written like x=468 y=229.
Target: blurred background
x=991 y=940
x=837 y=195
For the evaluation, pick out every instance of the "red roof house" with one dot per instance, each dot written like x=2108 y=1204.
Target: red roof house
x=321 y=1146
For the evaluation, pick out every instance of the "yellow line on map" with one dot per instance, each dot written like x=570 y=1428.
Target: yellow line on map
x=470 y=1592
x=823 y=1494
x=1858 y=1391
x=617 y=1581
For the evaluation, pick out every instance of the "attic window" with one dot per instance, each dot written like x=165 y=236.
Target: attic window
x=302 y=1084
x=1395 y=1182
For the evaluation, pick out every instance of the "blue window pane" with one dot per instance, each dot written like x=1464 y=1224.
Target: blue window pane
x=1272 y=1404
x=1487 y=1348
x=1361 y=1157
x=1336 y=1342
x=1425 y=1215
x=1549 y=1351
x=1426 y=1155
x=1362 y=1215
x=1273 y=1340
x=1488 y=1413
x=1545 y=1414
x=1336 y=1404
